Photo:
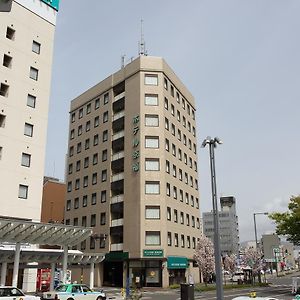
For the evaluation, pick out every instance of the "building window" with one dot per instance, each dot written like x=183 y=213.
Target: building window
x=88 y=126
x=78 y=165
x=193 y=221
x=151 y=79
x=86 y=162
x=152 y=187
x=176 y=239
x=151 y=120
x=36 y=47
x=173 y=129
x=178 y=116
x=194 y=243
x=94 y=199
x=96 y=121
x=68 y=206
x=167 y=166
x=168 y=189
x=96 y=140
x=83 y=245
x=151 y=99
x=173 y=150
x=80 y=113
x=152 y=238
x=95 y=158
x=79 y=130
x=172 y=90
x=71 y=151
x=28 y=129
x=72 y=134
x=152 y=164
x=4 y=89
x=174 y=192
x=181 y=218
x=77 y=184
x=2 y=121
x=102 y=218
x=26 y=158
x=104 y=175
x=167 y=145
x=69 y=187
x=175 y=216
x=177 y=97
x=169 y=238
x=10 y=33
x=169 y=216
x=34 y=73
x=79 y=147
x=183 y=103
x=179 y=154
x=106 y=98
x=97 y=103
x=105 y=117
x=180 y=174
x=73 y=117
x=188 y=242
x=31 y=100
x=152 y=212
x=84 y=200
x=85 y=181
x=166 y=124
x=174 y=171
x=166 y=83
x=87 y=144
x=104 y=155
x=181 y=195
x=70 y=169
x=103 y=196
x=152 y=142
x=105 y=136
x=76 y=204
x=83 y=221
x=88 y=108
x=188 y=219
x=93 y=220
x=94 y=178
x=7 y=60
x=166 y=103
x=23 y=191
x=102 y=242
x=182 y=241
x=172 y=110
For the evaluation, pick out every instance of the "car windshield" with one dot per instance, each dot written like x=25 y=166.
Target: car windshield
x=62 y=288
x=85 y=289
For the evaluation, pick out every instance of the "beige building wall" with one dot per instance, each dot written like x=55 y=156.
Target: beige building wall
x=28 y=26
x=129 y=82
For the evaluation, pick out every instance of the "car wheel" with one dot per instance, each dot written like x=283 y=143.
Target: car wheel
x=70 y=299
x=101 y=298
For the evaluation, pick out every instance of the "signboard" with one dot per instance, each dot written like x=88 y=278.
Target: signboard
x=177 y=262
x=53 y=3
x=153 y=253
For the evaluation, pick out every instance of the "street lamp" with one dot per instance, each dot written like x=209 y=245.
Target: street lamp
x=255 y=231
x=212 y=142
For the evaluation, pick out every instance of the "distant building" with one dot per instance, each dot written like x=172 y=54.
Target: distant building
x=53 y=203
x=229 y=230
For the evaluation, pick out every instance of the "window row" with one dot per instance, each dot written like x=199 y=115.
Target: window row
x=86 y=162
x=88 y=107
x=172 y=128
x=11 y=34
x=179 y=217
x=86 y=199
x=87 y=143
x=167 y=147
x=28 y=128
x=88 y=125
x=85 y=181
x=92 y=221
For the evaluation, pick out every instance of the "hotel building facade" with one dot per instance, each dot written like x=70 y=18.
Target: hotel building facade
x=132 y=175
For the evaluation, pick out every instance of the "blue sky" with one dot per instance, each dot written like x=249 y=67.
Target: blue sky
x=239 y=58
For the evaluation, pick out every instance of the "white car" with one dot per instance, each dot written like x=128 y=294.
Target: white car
x=257 y=298
x=13 y=293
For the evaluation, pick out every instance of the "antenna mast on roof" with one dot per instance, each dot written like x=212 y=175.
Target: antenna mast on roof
x=142 y=43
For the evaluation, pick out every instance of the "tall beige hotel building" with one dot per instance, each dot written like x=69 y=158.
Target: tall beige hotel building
x=132 y=175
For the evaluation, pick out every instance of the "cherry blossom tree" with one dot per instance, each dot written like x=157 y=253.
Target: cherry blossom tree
x=230 y=263
x=204 y=257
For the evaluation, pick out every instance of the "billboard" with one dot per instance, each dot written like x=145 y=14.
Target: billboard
x=53 y=3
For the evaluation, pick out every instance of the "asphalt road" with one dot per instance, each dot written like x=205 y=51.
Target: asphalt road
x=280 y=289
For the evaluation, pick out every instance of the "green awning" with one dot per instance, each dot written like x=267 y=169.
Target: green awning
x=177 y=262
x=116 y=256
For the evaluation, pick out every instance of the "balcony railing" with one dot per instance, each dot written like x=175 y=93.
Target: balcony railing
x=117 y=222
x=117 y=177
x=117 y=199
x=118 y=97
x=118 y=115
x=118 y=155
x=116 y=247
x=118 y=135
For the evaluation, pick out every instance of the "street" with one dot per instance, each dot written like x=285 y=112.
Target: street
x=280 y=289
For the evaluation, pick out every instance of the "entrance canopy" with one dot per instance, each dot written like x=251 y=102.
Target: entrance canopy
x=26 y=232
x=48 y=256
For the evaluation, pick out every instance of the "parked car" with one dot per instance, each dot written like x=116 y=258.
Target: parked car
x=13 y=293
x=74 y=292
x=238 y=276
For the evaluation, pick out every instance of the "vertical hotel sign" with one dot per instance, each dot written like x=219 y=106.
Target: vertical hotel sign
x=135 y=144
x=53 y=3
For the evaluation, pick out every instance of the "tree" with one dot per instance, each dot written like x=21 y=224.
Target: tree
x=205 y=259
x=230 y=263
x=288 y=223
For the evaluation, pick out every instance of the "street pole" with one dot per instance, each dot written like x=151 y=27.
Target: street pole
x=255 y=231
x=219 y=283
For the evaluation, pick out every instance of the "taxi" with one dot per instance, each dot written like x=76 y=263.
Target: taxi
x=74 y=292
x=13 y=293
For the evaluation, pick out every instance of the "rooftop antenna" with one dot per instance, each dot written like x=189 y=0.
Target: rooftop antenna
x=123 y=61
x=142 y=43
